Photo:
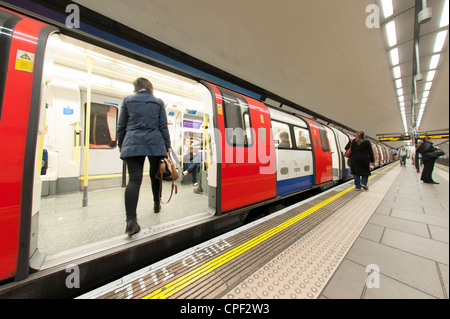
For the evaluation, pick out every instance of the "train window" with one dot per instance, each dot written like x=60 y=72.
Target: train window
x=324 y=139
x=238 y=128
x=281 y=135
x=103 y=126
x=302 y=138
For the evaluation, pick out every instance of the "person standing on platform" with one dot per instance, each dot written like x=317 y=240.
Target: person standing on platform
x=403 y=153
x=425 y=146
x=360 y=159
x=142 y=132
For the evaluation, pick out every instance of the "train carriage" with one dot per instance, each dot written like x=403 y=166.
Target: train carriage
x=59 y=104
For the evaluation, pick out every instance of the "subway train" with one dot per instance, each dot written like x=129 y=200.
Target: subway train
x=60 y=98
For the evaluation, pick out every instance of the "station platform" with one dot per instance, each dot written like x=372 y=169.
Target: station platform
x=391 y=241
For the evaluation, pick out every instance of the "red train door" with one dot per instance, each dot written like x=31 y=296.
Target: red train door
x=322 y=153
x=247 y=171
x=22 y=46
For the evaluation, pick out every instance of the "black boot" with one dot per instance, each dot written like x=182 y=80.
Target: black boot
x=156 y=207
x=132 y=227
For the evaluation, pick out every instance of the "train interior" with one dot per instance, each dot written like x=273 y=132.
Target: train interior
x=79 y=77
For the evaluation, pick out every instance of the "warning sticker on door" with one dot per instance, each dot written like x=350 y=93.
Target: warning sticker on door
x=24 y=61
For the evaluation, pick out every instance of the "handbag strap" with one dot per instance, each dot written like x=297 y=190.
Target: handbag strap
x=171 y=192
x=173 y=186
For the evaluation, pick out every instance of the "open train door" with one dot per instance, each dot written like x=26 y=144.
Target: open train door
x=22 y=49
x=246 y=155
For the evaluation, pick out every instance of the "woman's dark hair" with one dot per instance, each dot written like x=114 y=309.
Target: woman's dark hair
x=142 y=83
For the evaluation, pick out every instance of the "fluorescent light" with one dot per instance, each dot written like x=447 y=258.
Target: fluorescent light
x=426 y=93
x=424 y=100
x=394 y=56
x=440 y=40
x=431 y=75
x=388 y=9
x=444 y=18
x=391 y=33
x=397 y=72
x=401 y=98
x=434 y=61
x=428 y=86
x=398 y=83
x=400 y=92
x=402 y=104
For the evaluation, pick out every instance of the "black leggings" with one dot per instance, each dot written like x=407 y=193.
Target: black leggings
x=135 y=170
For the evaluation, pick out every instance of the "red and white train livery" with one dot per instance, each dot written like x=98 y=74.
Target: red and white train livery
x=49 y=81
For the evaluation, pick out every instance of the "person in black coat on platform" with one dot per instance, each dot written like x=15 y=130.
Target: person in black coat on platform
x=424 y=147
x=142 y=132
x=360 y=159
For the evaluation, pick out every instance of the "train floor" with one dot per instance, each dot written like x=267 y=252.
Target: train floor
x=68 y=230
x=391 y=241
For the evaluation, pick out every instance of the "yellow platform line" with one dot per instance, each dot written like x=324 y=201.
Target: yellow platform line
x=390 y=166
x=189 y=278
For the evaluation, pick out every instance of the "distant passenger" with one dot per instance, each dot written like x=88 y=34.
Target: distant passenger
x=302 y=143
x=44 y=166
x=425 y=146
x=142 y=132
x=190 y=161
x=360 y=159
x=285 y=143
x=403 y=153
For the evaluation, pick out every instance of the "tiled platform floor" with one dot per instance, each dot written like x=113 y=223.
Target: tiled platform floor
x=403 y=251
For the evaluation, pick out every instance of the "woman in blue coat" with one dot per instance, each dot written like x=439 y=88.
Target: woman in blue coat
x=142 y=132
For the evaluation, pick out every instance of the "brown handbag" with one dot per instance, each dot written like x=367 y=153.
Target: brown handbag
x=348 y=152
x=167 y=171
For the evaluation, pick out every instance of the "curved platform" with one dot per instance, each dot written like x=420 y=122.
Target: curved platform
x=388 y=242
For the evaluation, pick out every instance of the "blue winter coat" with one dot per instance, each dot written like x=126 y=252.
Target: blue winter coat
x=142 y=129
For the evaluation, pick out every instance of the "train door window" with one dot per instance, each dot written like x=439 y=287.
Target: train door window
x=302 y=138
x=103 y=126
x=238 y=128
x=324 y=139
x=281 y=135
x=7 y=23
